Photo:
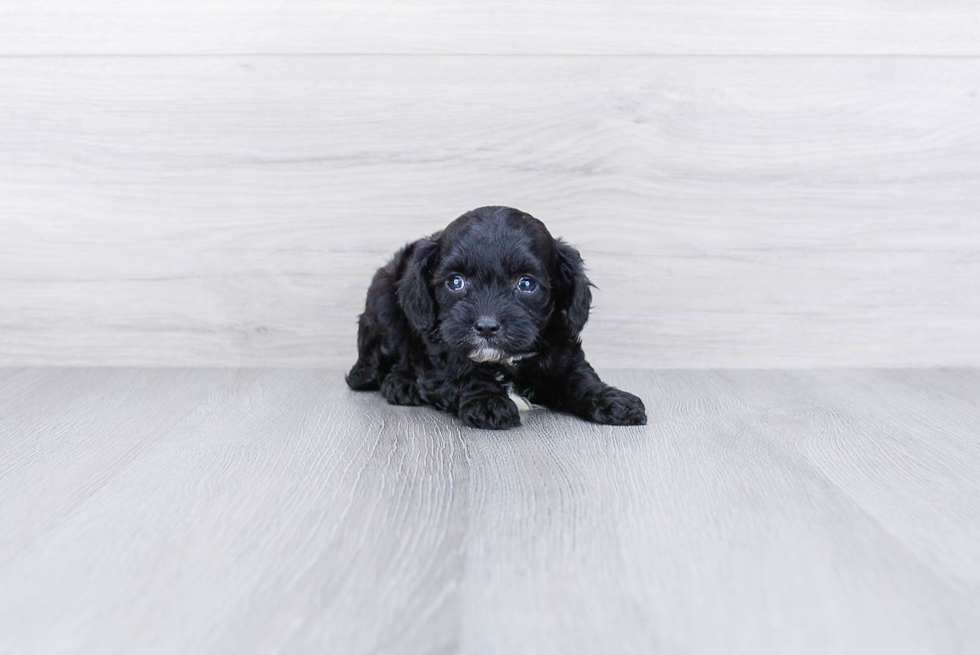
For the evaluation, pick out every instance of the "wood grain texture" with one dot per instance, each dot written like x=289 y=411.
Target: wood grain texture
x=226 y=506
x=747 y=212
x=758 y=512
x=947 y=27
x=204 y=511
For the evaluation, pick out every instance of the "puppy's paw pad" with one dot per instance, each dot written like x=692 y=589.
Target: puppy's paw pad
x=401 y=390
x=489 y=413
x=616 y=407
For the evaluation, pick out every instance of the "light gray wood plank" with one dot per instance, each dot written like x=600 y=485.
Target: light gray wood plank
x=275 y=511
x=55 y=438
x=774 y=212
x=493 y=27
x=748 y=517
x=282 y=514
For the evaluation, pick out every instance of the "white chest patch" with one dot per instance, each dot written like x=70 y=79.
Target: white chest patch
x=523 y=404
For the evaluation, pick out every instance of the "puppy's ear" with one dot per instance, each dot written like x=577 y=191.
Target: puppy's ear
x=415 y=294
x=571 y=287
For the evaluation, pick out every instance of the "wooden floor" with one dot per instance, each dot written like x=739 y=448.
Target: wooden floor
x=274 y=511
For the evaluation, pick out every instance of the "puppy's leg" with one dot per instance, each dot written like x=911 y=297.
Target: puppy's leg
x=582 y=393
x=484 y=404
x=364 y=375
x=401 y=387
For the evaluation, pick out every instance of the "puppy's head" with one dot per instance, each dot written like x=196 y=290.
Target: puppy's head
x=490 y=283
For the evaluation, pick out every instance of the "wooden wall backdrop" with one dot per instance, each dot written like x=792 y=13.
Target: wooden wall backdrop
x=499 y=27
x=214 y=182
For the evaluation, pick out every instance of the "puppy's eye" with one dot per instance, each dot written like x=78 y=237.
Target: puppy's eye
x=456 y=283
x=526 y=284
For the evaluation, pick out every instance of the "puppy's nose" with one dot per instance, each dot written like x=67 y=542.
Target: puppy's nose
x=487 y=325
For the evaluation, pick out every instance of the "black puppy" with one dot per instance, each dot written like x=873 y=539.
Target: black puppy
x=489 y=304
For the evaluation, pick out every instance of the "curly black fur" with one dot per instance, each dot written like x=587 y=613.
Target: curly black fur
x=514 y=321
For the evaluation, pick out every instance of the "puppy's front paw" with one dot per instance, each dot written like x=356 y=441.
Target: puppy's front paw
x=489 y=412
x=615 y=407
x=399 y=389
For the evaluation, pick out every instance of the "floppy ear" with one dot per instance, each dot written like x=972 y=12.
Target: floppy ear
x=414 y=291
x=571 y=287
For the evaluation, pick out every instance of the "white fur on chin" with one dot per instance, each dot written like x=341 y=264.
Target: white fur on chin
x=486 y=355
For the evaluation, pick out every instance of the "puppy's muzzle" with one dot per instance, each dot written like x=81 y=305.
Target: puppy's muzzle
x=486 y=348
